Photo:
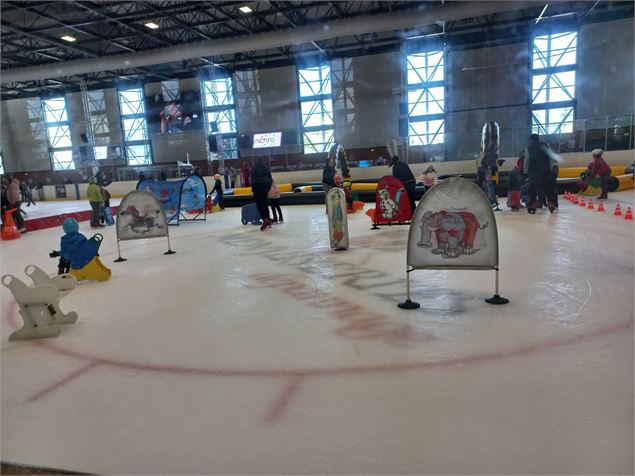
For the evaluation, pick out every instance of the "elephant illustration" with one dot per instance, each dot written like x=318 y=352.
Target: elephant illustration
x=455 y=233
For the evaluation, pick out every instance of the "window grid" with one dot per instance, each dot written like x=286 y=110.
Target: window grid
x=98 y=117
x=553 y=96
x=58 y=132
x=425 y=98
x=316 y=108
x=220 y=109
x=135 y=127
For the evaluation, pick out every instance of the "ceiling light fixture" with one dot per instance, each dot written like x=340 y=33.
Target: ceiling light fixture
x=152 y=25
x=68 y=38
x=430 y=35
x=542 y=13
x=560 y=15
x=245 y=9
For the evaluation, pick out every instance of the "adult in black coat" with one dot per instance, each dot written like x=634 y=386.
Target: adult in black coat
x=328 y=177
x=401 y=171
x=538 y=166
x=261 y=181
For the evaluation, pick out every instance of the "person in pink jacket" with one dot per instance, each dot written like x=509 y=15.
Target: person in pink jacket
x=13 y=196
x=274 y=201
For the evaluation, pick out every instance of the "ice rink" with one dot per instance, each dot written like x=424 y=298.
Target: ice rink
x=267 y=352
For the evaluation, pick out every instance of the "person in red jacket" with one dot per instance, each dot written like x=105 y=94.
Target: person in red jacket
x=602 y=170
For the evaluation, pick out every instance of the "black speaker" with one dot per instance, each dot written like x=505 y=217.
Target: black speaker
x=211 y=140
x=84 y=138
x=289 y=138
x=245 y=141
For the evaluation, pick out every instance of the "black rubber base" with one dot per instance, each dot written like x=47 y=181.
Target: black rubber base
x=496 y=299
x=169 y=252
x=408 y=304
x=120 y=260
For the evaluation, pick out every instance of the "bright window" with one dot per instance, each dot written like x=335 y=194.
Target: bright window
x=218 y=97
x=135 y=127
x=58 y=133
x=426 y=98
x=316 y=106
x=553 y=83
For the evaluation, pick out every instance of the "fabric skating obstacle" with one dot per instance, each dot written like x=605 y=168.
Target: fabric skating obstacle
x=39 y=305
x=453 y=227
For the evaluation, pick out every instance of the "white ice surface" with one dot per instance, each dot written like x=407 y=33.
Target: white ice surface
x=226 y=357
x=58 y=207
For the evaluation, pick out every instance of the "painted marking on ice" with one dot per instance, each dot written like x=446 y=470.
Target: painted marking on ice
x=280 y=405
x=60 y=383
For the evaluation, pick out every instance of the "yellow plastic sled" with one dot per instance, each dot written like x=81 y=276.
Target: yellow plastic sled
x=94 y=270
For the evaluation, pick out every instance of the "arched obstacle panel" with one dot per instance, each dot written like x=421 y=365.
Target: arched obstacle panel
x=453 y=227
x=178 y=197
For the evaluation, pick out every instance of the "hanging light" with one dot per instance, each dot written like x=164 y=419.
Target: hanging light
x=68 y=38
x=245 y=9
x=151 y=25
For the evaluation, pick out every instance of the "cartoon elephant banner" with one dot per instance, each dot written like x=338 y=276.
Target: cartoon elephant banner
x=453 y=227
x=140 y=216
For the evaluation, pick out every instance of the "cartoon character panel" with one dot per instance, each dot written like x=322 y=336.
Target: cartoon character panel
x=193 y=193
x=453 y=227
x=338 y=221
x=140 y=216
x=391 y=201
x=177 y=195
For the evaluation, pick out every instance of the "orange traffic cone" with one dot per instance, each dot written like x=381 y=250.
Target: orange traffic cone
x=590 y=206
x=9 y=230
x=618 y=211
x=601 y=207
x=582 y=204
x=629 y=214
x=574 y=199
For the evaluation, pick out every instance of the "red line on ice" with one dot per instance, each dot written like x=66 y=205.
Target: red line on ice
x=344 y=370
x=60 y=383
x=292 y=387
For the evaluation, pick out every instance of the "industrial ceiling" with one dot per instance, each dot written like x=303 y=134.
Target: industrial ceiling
x=48 y=46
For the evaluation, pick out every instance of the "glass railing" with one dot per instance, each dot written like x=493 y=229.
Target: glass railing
x=608 y=133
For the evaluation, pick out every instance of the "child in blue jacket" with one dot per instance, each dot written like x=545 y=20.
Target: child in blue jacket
x=75 y=249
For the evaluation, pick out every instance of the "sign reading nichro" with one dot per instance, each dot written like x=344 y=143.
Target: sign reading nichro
x=270 y=139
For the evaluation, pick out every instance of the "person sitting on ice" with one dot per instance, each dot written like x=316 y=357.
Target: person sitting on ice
x=601 y=169
x=75 y=249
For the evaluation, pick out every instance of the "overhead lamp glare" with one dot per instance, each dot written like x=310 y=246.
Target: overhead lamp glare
x=152 y=25
x=245 y=9
x=68 y=38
